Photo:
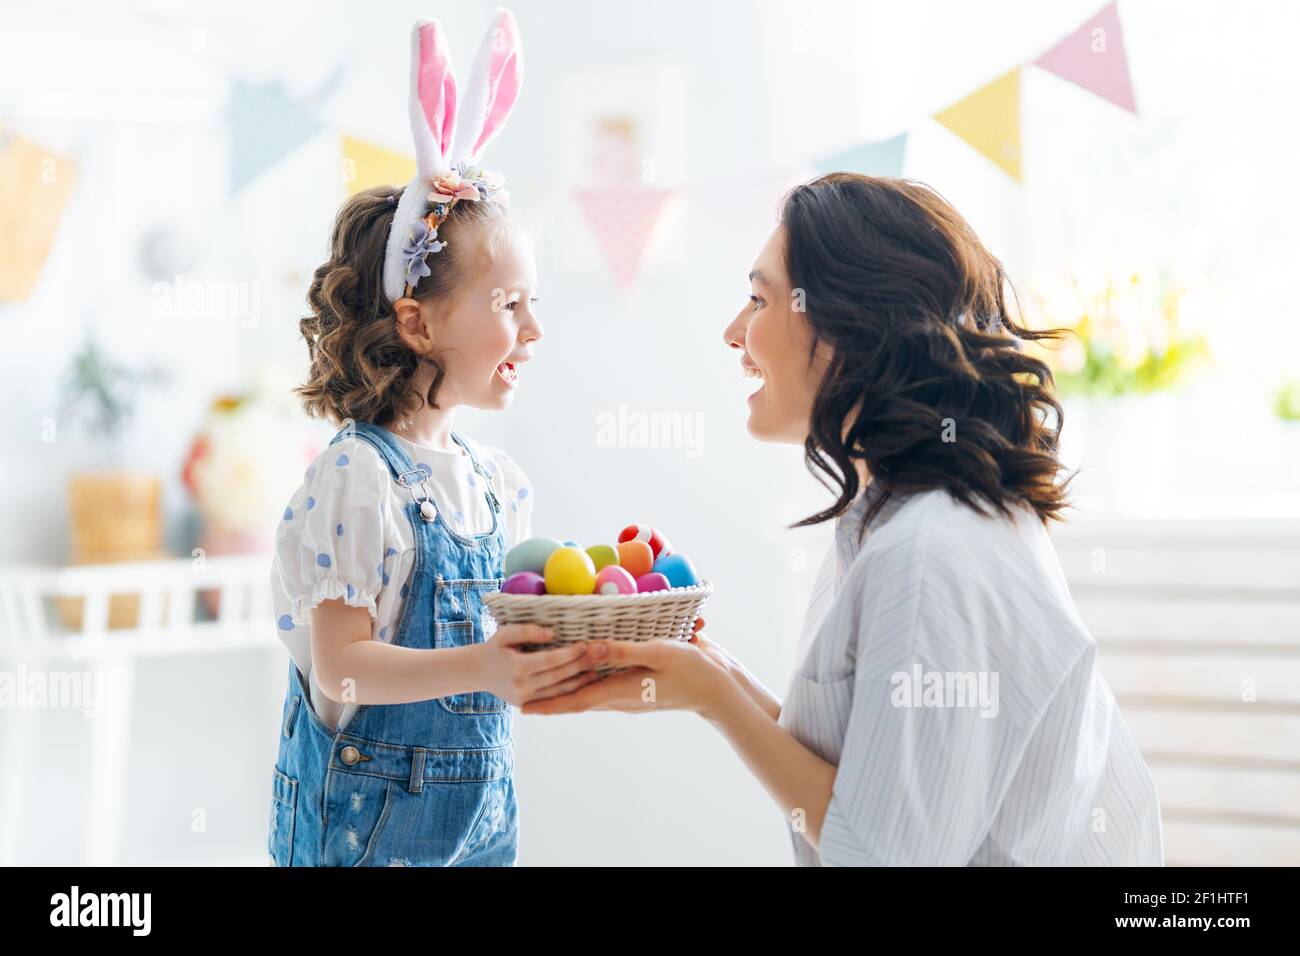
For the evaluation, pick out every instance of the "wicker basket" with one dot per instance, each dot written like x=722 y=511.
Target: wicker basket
x=654 y=616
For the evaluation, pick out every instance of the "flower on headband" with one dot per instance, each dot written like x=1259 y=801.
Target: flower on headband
x=468 y=182
x=449 y=187
x=421 y=241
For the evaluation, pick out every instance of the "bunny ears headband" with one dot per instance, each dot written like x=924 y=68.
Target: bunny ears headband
x=449 y=138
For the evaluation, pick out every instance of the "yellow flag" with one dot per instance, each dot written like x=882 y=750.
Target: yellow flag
x=365 y=164
x=34 y=186
x=989 y=119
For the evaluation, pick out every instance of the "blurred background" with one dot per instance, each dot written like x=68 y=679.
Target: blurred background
x=169 y=172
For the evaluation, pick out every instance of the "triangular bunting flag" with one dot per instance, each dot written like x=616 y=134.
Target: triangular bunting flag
x=34 y=188
x=266 y=124
x=625 y=221
x=1093 y=57
x=989 y=119
x=365 y=164
x=882 y=158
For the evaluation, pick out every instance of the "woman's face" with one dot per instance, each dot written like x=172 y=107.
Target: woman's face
x=774 y=338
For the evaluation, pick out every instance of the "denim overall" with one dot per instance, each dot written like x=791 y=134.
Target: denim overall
x=427 y=783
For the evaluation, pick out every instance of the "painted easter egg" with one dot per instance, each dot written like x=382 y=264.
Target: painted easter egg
x=636 y=557
x=603 y=555
x=678 y=569
x=572 y=544
x=654 y=581
x=615 y=580
x=570 y=571
x=525 y=582
x=530 y=555
x=643 y=532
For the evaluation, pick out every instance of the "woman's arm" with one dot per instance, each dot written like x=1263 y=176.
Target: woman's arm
x=764 y=698
x=350 y=667
x=679 y=675
x=795 y=777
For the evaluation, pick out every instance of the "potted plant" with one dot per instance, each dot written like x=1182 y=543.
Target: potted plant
x=115 y=513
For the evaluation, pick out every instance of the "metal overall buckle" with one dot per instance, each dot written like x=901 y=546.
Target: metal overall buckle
x=427 y=510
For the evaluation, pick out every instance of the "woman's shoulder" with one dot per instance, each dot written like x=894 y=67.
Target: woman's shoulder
x=944 y=553
x=936 y=526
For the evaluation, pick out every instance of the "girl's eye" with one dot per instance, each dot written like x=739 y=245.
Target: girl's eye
x=756 y=300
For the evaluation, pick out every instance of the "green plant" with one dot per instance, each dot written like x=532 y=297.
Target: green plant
x=1287 y=401
x=1127 y=335
x=100 y=393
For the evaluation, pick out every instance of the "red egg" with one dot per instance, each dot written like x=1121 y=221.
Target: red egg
x=643 y=532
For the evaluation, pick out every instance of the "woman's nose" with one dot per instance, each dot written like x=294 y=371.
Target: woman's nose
x=734 y=334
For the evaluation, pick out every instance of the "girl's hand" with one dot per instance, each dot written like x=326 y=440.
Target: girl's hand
x=664 y=675
x=516 y=675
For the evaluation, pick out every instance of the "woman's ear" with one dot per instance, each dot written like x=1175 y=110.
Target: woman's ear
x=411 y=325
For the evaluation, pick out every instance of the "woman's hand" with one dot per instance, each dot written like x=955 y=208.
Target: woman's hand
x=664 y=675
x=516 y=675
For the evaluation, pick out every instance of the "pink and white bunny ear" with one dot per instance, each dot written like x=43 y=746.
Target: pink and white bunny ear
x=492 y=89
x=433 y=103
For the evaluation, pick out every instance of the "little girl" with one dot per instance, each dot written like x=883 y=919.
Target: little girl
x=395 y=744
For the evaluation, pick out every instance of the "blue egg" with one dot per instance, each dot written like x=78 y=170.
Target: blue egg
x=530 y=555
x=678 y=569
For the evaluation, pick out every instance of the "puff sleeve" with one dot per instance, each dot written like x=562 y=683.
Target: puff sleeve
x=333 y=541
x=515 y=493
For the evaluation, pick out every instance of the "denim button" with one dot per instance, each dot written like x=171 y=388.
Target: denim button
x=349 y=755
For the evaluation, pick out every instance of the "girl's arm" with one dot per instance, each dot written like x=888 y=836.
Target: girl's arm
x=350 y=667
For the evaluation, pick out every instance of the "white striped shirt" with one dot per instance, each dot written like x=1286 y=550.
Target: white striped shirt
x=944 y=670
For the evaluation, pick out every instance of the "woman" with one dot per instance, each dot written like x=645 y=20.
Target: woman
x=945 y=707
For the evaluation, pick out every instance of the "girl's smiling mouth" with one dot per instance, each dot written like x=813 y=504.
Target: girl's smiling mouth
x=507 y=373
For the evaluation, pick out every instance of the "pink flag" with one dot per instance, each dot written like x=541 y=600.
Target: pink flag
x=1093 y=57
x=625 y=220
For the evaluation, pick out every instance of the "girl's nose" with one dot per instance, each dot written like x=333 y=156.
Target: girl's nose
x=532 y=330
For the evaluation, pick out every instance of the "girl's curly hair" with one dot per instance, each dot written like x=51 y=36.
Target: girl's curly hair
x=360 y=367
x=928 y=383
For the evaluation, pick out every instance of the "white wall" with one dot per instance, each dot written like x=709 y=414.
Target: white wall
x=760 y=88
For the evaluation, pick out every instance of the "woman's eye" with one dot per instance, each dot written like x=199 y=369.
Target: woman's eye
x=511 y=305
x=756 y=300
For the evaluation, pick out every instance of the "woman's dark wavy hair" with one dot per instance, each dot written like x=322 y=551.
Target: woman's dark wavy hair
x=927 y=382
x=360 y=367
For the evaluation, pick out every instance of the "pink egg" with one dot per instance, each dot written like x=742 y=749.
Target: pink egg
x=525 y=582
x=613 y=579
x=654 y=581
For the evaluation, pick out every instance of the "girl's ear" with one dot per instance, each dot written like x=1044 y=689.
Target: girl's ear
x=410 y=324
x=433 y=103
x=492 y=89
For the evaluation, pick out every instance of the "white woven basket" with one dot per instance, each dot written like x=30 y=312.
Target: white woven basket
x=654 y=616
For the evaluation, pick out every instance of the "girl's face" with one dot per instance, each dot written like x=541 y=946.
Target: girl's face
x=774 y=338
x=488 y=331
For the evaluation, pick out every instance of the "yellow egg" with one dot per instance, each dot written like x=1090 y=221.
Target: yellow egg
x=570 y=570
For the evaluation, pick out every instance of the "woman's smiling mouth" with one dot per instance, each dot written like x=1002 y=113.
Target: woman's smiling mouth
x=507 y=373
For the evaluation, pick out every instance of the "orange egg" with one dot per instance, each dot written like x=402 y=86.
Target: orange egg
x=636 y=557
